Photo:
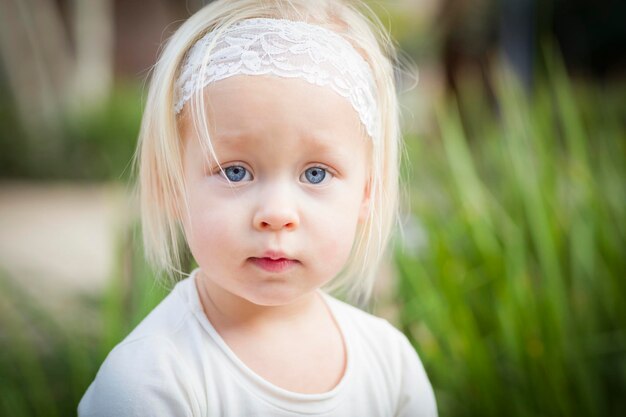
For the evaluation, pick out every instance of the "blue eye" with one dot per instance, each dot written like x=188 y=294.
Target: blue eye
x=236 y=173
x=315 y=175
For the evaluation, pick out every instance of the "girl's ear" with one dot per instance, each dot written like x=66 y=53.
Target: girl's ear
x=364 y=209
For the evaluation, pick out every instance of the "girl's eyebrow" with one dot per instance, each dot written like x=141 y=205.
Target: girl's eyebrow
x=321 y=144
x=228 y=138
x=319 y=140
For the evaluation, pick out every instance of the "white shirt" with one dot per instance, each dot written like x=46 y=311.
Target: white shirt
x=174 y=363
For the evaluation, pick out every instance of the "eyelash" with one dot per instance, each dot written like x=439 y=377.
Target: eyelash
x=303 y=177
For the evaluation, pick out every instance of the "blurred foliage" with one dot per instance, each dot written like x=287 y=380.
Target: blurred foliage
x=513 y=271
x=97 y=144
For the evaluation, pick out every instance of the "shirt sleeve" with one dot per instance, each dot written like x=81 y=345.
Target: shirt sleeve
x=417 y=398
x=140 y=378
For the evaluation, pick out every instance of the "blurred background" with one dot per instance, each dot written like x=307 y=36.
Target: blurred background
x=509 y=277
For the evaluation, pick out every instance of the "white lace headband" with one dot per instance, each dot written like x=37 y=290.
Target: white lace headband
x=285 y=48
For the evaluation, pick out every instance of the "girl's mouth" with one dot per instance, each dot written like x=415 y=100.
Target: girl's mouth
x=274 y=265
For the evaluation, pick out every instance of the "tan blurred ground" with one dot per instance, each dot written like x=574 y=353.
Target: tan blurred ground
x=58 y=241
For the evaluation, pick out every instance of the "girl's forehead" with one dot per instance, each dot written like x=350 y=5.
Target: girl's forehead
x=270 y=88
x=265 y=104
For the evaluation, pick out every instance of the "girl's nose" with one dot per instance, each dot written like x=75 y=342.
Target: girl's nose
x=276 y=211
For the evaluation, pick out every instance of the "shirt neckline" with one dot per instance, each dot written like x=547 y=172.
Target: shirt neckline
x=265 y=390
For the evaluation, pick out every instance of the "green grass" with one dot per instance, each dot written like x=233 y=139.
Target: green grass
x=517 y=301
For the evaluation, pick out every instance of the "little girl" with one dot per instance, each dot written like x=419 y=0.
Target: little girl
x=269 y=143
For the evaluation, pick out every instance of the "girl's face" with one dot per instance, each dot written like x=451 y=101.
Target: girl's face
x=297 y=163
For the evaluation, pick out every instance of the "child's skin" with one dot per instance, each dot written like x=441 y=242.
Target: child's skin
x=268 y=133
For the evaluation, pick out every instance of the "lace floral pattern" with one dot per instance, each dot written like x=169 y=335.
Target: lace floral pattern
x=283 y=48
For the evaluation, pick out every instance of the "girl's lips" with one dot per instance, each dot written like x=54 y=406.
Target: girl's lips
x=274 y=265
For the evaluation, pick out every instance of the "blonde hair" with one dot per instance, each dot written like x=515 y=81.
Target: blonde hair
x=159 y=154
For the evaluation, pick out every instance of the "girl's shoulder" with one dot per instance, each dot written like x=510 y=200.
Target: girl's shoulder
x=172 y=319
x=144 y=376
x=373 y=332
x=147 y=364
x=154 y=342
x=387 y=353
x=361 y=320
